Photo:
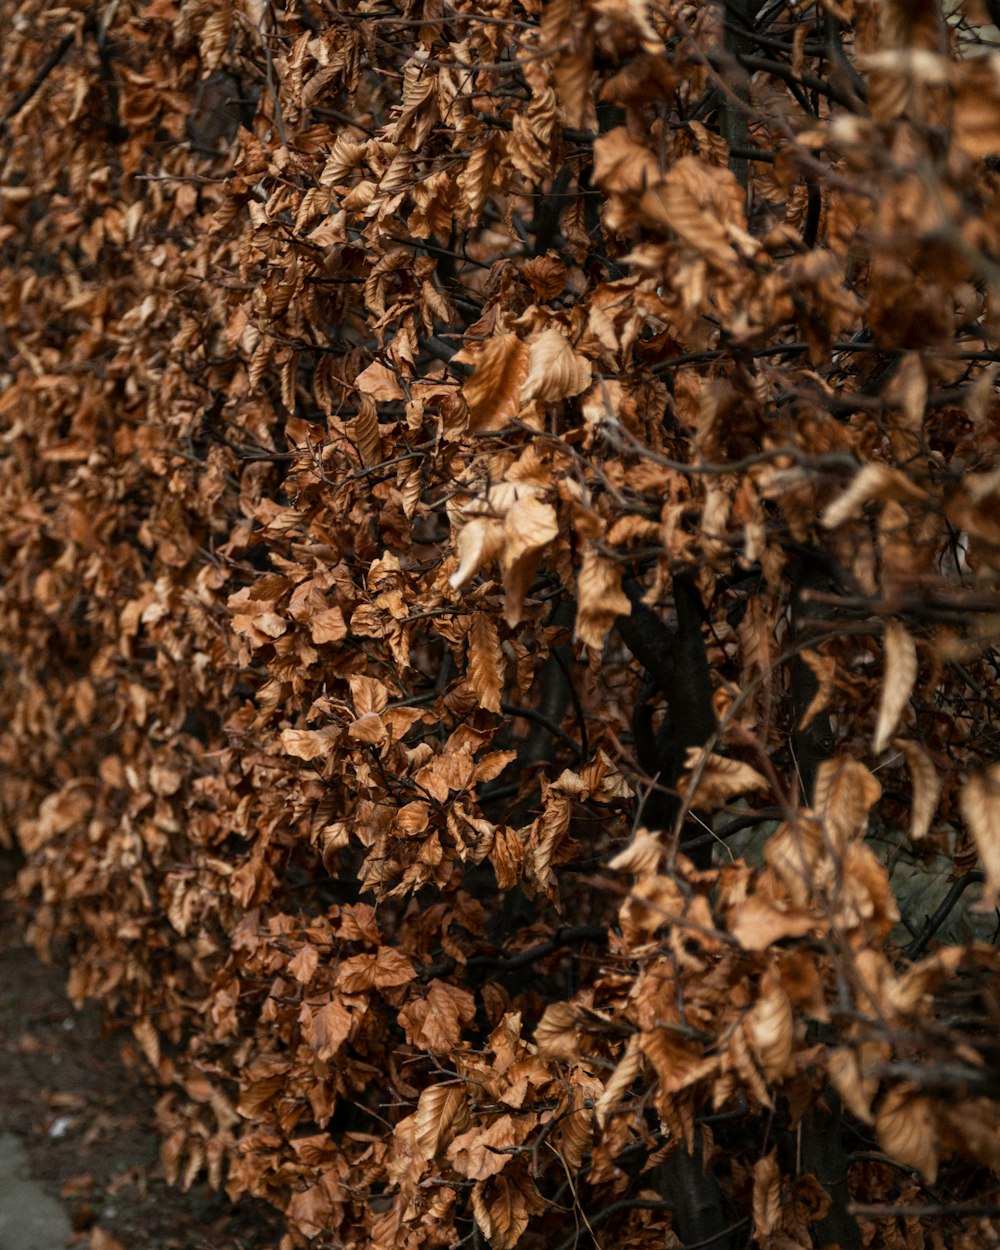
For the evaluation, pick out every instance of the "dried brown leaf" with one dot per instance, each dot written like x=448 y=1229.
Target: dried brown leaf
x=772 y=1027
x=493 y=393
x=980 y=806
x=487 y=662
x=766 y=1197
x=926 y=787
x=629 y=1067
x=907 y=1130
x=900 y=674
x=845 y=792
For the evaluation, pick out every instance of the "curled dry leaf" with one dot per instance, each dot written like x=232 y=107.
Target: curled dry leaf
x=772 y=1027
x=557 y=1034
x=366 y=432
x=504 y=1205
x=766 y=1197
x=486 y=662
x=852 y=1077
x=629 y=1067
x=555 y=371
x=493 y=393
x=720 y=778
x=907 y=1130
x=914 y=988
x=926 y=787
x=600 y=598
x=442 y=1113
x=758 y=923
x=872 y=482
x=845 y=792
x=824 y=669
x=900 y=674
x=980 y=806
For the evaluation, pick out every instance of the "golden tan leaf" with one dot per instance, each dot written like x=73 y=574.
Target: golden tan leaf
x=149 y=1041
x=380 y=382
x=507 y=856
x=741 y=1055
x=703 y=204
x=214 y=37
x=772 y=1027
x=309 y=744
x=482 y=1152
x=572 y=74
x=926 y=786
x=574 y=1135
x=793 y=853
x=504 y=1205
x=530 y=147
x=642 y=856
x=851 y=1073
x=493 y=393
x=529 y=527
x=979 y=803
x=623 y=163
x=871 y=482
x=479 y=542
x=907 y=1131
x=412 y=818
x=368 y=694
x=387 y=968
x=758 y=923
x=600 y=598
x=766 y=1197
x=913 y=989
x=721 y=778
x=442 y=1113
x=324 y=1028
x=678 y=1063
x=555 y=371
x=476 y=178
x=629 y=1067
x=366 y=433
x=900 y=674
x=346 y=155
x=328 y=626
x=419 y=108
x=557 y=1034
x=369 y=728
x=435 y=1022
x=487 y=662
x=304 y=963
x=845 y=792
x=824 y=669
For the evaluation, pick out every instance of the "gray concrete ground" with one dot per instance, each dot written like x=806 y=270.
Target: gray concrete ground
x=29 y=1218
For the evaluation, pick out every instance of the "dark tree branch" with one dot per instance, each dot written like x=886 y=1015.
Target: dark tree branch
x=941 y=913
x=43 y=71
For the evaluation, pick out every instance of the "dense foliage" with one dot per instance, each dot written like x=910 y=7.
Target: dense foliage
x=500 y=541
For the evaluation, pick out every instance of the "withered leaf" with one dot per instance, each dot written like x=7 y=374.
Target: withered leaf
x=980 y=807
x=900 y=674
x=493 y=393
x=906 y=1130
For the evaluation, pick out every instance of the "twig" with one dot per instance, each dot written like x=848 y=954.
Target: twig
x=941 y=914
x=527 y=713
x=649 y=1204
x=930 y=1210
x=46 y=68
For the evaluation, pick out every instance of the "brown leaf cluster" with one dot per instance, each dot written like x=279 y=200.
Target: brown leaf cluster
x=363 y=366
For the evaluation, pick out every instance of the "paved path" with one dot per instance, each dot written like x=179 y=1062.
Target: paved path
x=29 y=1218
